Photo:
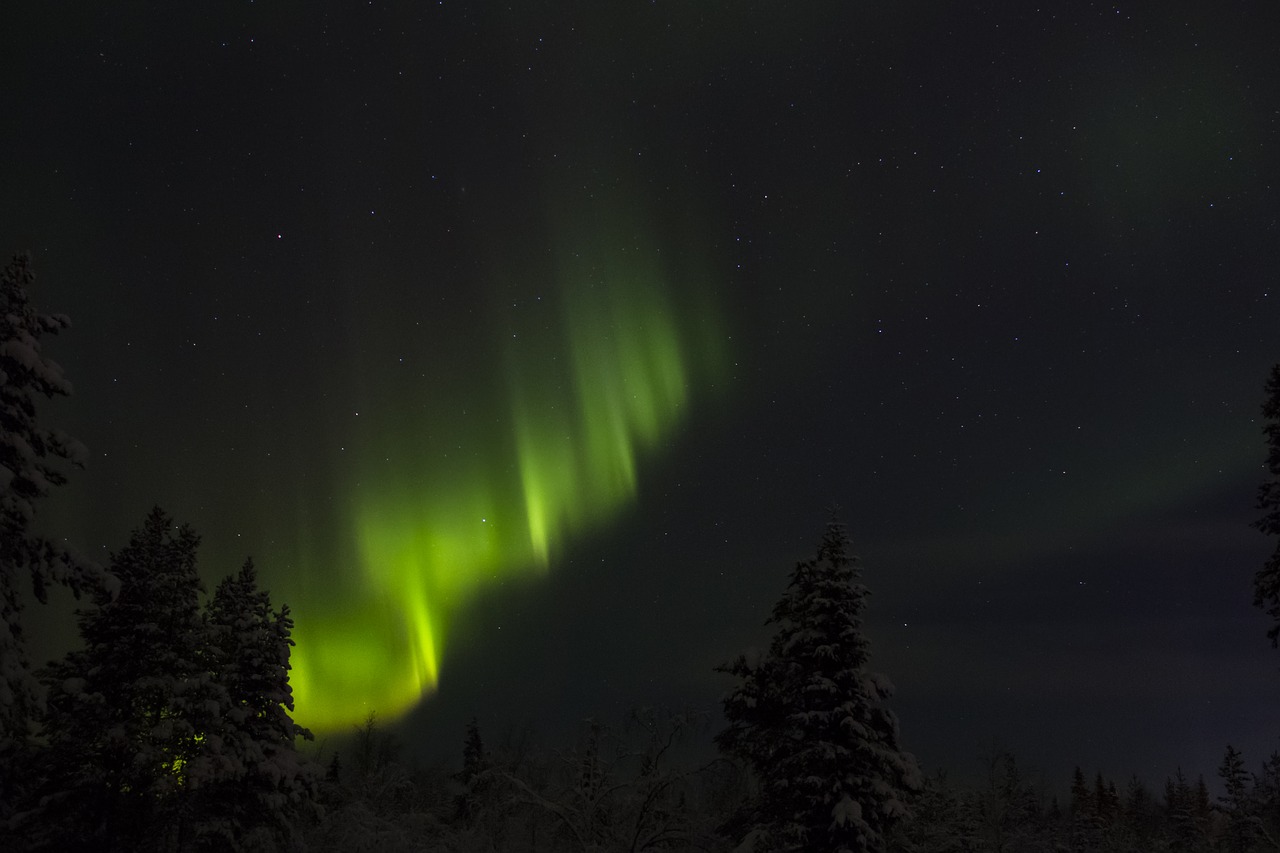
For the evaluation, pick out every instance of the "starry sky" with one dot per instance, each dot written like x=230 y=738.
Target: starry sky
x=526 y=348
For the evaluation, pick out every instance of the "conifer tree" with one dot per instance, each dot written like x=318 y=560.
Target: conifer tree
x=1265 y=800
x=1139 y=813
x=126 y=713
x=249 y=782
x=1202 y=806
x=1081 y=797
x=171 y=727
x=1105 y=800
x=1266 y=584
x=33 y=459
x=1086 y=825
x=1235 y=802
x=1006 y=806
x=1178 y=803
x=475 y=761
x=248 y=649
x=810 y=720
x=943 y=819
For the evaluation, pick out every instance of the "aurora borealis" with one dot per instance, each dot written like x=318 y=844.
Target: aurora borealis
x=596 y=371
x=524 y=348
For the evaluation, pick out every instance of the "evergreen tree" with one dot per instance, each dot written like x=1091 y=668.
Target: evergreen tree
x=1189 y=811
x=1086 y=827
x=1105 y=799
x=1265 y=800
x=475 y=762
x=127 y=713
x=1235 y=802
x=1006 y=806
x=943 y=820
x=1202 y=806
x=32 y=462
x=171 y=727
x=248 y=780
x=1266 y=584
x=1139 y=814
x=809 y=718
x=474 y=759
x=1081 y=796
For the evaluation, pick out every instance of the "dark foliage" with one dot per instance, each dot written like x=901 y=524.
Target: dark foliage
x=810 y=721
x=126 y=711
x=33 y=460
x=1266 y=584
x=170 y=728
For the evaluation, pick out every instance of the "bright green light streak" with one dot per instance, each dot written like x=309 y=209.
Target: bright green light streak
x=595 y=377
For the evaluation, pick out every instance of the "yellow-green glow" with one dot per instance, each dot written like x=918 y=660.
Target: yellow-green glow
x=596 y=367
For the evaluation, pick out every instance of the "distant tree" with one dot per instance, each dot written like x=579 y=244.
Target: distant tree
x=1188 y=810
x=1106 y=801
x=1177 y=805
x=472 y=778
x=616 y=790
x=1266 y=584
x=375 y=746
x=1202 y=806
x=127 y=713
x=1265 y=798
x=810 y=719
x=1140 y=815
x=1234 y=802
x=1006 y=806
x=33 y=459
x=373 y=801
x=586 y=807
x=1081 y=797
x=475 y=760
x=669 y=806
x=1086 y=823
x=942 y=819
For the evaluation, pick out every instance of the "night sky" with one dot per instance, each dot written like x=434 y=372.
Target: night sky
x=526 y=349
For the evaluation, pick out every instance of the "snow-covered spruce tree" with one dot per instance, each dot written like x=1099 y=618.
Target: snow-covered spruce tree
x=247 y=782
x=1240 y=831
x=127 y=713
x=1266 y=584
x=32 y=461
x=809 y=719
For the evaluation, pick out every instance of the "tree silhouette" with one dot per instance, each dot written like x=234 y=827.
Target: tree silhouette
x=248 y=782
x=170 y=727
x=33 y=459
x=809 y=718
x=1266 y=584
x=127 y=712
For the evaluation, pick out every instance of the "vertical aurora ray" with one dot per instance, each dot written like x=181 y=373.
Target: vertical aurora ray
x=593 y=373
x=586 y=406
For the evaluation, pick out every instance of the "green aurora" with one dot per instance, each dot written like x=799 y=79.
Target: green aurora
x=590 y=376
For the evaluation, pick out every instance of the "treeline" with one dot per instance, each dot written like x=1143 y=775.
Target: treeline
x=170 y=728
x=621 y=788
x=1008 y=811
x=617 y=787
